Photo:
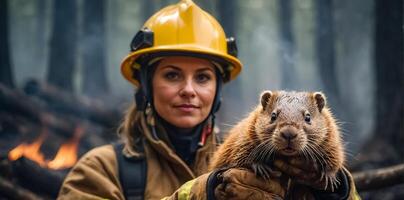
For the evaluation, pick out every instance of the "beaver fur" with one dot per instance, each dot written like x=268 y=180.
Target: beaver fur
x=286 y=124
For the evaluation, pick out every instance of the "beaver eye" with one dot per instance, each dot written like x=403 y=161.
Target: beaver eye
x=273 y=116
x=307 y=118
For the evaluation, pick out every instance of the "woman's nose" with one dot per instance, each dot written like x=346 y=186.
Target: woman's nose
x=187 y=89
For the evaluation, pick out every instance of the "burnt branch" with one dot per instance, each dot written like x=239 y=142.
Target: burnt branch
x=80 y=106
x=36 y=178
x=13 y=191
x=379 y=178
x=15 y=102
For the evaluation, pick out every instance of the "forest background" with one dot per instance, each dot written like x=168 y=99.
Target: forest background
x=350 y=50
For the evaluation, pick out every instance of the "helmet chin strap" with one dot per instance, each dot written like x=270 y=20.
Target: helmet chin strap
x=143 y=95
x=218 y=96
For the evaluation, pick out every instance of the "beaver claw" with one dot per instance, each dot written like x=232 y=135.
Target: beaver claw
x=265 y=171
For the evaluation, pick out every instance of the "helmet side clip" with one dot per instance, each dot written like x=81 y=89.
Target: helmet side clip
x=143 y=39
x=232 y=46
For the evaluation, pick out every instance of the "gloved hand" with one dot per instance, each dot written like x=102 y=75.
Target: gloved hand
x=242 y=184
x=230 y=184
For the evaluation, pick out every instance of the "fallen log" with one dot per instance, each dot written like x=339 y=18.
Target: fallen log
x=12 y=191
x=25 y=131
x=379 y=178
x=15 y=103
x=73 y=104
x=38 y=179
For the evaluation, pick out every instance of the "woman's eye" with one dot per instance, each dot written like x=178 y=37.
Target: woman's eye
x=201 y=78
x=171 y=75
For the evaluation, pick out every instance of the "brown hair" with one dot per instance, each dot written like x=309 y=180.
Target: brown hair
x=130 y=130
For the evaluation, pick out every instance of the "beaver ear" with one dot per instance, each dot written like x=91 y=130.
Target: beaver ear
x=265 y=96
x=320 y=100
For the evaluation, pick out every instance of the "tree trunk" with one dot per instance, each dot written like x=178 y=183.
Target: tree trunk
x=227 y=16
x=149 y=7
x=6 y=75
x=95 y=82
x=325 y=49
x=287 y=45
x=389 y=71
x=41 y=32
x=210 y=5
x=63 y=44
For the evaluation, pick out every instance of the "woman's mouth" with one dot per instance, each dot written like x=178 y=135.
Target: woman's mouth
x=186 y=107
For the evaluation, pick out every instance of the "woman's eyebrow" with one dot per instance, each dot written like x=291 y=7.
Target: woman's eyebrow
x=205 y=69
x=171 y=66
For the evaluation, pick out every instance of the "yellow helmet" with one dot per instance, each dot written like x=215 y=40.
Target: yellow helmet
x=182 y=29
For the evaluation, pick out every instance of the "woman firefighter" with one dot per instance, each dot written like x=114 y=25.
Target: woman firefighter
x=178 y=61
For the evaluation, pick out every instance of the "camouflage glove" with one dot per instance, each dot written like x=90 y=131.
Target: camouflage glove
x=242 y=184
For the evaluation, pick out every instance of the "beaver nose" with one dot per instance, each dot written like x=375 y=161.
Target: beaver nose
x=288 y=135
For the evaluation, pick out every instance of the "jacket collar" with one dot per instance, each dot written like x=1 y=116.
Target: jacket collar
x=158 y=140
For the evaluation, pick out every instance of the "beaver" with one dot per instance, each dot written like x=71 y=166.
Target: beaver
x=284 y=124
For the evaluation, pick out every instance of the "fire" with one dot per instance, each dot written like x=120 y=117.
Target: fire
x=65 y=157
x=30 y=151
x=67 y=154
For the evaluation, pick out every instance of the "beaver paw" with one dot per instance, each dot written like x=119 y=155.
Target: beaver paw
x=328 y=181
x=265 y=171
x=331 y=182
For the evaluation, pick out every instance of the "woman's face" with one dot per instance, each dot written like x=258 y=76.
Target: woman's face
x=183 y=90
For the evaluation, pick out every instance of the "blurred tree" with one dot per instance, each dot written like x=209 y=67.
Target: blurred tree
x=6 y=75
x=150 y=7
x=227 y=17
x=287 y=45
x=324 y=42
x=93 y=44
x=211 y=5
x=42 y=6
x=389 y=71
x=63 y=44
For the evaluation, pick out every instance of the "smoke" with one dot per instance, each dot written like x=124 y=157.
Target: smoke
x=258 y=43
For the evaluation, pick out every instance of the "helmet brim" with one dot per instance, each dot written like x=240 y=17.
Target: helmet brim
x=128 y=66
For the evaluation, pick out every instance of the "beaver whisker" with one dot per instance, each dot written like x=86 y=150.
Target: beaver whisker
x=316 y=159
x=304 y=154
x=261 y=152
x=319 y=154
x=319 y=157
x=266 y=153
x=307 y=155
x=316 y=155
x=254 y=154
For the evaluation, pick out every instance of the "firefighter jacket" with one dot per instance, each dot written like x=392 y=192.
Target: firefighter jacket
x=96 y=175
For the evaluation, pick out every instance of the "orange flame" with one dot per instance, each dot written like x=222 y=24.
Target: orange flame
x=30 y=151
x=67 y=154
x=65 y=157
